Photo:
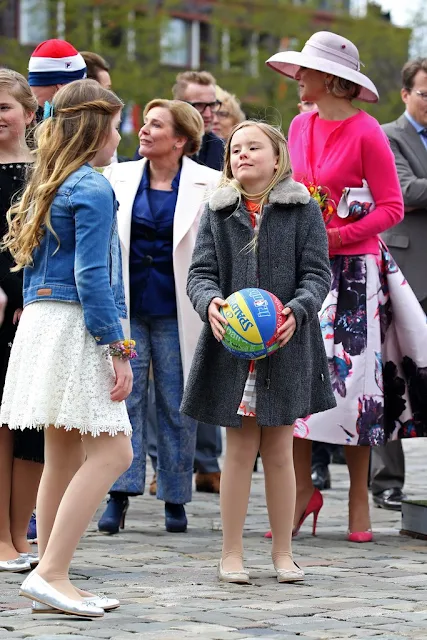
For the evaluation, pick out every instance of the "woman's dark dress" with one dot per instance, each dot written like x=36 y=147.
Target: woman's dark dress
x=28 y=444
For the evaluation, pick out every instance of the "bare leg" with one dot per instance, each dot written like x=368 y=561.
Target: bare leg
x=358 y=467
x=107 y=458
x=241 y=451
x=7 y=550
x=64 y=455
x=277 y=458
x=25 y=482
x=302 y=464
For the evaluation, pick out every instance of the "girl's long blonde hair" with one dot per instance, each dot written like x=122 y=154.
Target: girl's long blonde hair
x=280 y=147
x=77 y=130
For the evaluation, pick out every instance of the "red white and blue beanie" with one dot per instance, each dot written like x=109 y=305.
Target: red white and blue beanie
x=55 y=62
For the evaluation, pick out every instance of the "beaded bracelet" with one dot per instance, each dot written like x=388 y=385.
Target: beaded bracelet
x=125 y=350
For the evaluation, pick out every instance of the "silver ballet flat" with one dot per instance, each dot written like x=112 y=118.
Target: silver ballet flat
x=290 y=575
x=238 y=577
x=33 y=558
x=35 y=588
x=100 y=601
x=15 y=566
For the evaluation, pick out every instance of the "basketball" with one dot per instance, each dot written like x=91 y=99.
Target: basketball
x=254 y=316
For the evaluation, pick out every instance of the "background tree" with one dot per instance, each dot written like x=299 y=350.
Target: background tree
x=236 y=39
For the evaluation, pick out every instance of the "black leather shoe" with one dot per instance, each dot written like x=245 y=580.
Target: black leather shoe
x=175 y=518
x=321 y=477
x=390 y=499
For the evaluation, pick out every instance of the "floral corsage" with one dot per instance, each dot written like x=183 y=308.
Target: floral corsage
x=321 y=195
x=125 y=350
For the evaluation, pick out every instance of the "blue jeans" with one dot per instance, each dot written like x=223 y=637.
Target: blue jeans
x=208 y=448
x=157 y=340
x=208 y=443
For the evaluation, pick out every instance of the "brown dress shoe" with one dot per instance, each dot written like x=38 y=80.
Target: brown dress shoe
x=208 y=482
x=153 y=486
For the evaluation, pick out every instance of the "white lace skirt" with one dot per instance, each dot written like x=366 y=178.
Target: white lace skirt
x=59 y=376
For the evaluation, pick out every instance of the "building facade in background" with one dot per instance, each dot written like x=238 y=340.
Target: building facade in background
x=148 y=42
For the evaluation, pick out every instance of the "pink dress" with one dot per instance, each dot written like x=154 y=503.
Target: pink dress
x=374 y=330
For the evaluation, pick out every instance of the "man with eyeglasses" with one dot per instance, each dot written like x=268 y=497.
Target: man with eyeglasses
x=407 y=242
x=198 y=88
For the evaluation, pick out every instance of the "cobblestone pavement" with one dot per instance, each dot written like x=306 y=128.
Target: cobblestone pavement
x=169 y=591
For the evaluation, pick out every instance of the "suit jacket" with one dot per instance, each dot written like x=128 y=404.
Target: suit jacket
x=407 y=241
x=211 y=153
x=195 y=185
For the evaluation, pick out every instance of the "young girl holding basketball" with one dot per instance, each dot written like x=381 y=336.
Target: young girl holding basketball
x=69 y=369
x=260 y=229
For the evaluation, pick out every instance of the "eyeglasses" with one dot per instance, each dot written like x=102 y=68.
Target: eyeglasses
x=222 y=114
x=422 y=94
x=202 y=106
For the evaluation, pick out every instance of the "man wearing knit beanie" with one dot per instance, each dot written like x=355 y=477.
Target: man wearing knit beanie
x=53 y=63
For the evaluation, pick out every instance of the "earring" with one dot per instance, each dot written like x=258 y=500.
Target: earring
x=174 y=147
x=327 y=87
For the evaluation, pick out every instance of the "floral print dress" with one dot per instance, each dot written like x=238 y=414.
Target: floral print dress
x=247 y=405
x=374 y=331
x=375 y=336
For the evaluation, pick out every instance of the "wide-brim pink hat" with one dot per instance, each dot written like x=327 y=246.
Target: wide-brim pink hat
x=328 y=52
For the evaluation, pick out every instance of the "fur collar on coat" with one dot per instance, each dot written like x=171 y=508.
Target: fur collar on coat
x=286 y=192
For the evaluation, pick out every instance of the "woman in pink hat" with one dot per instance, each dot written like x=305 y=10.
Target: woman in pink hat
x=373 y=328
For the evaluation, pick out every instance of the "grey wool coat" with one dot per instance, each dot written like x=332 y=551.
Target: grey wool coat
x=291 y=261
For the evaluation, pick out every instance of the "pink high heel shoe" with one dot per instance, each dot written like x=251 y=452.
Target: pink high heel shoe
x=314 y=505
x=360 y=536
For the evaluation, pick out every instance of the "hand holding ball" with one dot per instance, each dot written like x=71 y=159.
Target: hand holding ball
x=251 y=323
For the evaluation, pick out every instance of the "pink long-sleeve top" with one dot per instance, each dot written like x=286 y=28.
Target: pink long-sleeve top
x=339 y=154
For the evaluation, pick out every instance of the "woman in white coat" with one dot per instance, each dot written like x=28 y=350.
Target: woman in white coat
x=161 y=199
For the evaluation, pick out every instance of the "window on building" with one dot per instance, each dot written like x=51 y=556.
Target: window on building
x=240 y=51
x=34 y=21
x=209 y=49
x=176 y=43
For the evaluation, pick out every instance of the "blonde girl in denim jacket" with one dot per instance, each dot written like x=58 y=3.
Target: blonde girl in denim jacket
x=69 y=370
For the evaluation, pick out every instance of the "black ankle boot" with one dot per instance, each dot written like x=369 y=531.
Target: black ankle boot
x=175 y=518
x=114 y=515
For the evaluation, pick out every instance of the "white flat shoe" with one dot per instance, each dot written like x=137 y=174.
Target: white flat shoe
x=100 y=601
x=33 y=558
x=290 y=575
x=237 y=577
x=35 y=588
x=15 y=566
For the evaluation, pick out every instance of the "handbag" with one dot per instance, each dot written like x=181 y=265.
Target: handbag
x=356 y=202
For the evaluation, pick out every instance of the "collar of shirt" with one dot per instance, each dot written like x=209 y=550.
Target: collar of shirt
x=145 y=180
x=418 y=127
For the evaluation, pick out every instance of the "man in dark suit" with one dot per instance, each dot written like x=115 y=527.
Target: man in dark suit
x=407 y=242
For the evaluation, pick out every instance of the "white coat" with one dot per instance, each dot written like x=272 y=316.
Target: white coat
x=196 y=184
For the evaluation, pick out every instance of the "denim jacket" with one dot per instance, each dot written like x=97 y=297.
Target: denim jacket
x=86 y=268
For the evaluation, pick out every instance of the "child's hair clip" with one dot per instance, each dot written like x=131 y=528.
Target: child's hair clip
x=48 y=110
